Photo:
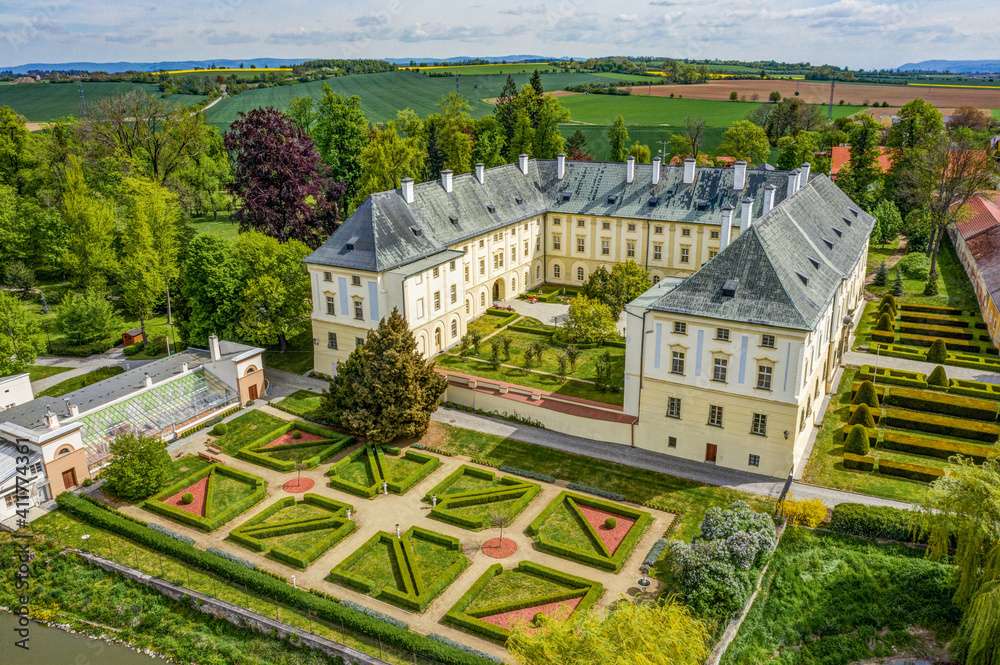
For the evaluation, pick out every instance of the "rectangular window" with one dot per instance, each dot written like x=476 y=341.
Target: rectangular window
x=715 y=415
x=720 y=369
x=525 y=247
x=580 y=245
x=466 y=272
x=753 y=460
x=680 y=328
x=355 y=280
x=580 y=223
x=606 y=226
x=453 y=295
x=482 y=267
x=359 y=342
x=454 y=329
x=420 y=308
x=712 y=253
x=759 y=424
x=764 y=374
x=686 y=233
x=436 y=272
x=722 y=334
x=556 y=271
x=437 y=300
x=658 y=230
x=631 y=227
x=538 y=243
x=767 y=341
x=685 y=254
x=673 y=407
x=331 y=340
x=677 y=362
x=359 y=310
x=513 y=255
x=331 y=306
x=630 y=249
x=451 y=266
x=557 y=222
x=714 y=235
x=605 y=247
x=657 y=251
x=328 y=277
x=556 y=241
x=482 y=243
x=671 y=442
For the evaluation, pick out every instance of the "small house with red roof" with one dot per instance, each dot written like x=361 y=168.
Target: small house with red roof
x=840 y=155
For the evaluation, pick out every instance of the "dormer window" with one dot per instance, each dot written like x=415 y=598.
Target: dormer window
x=838 y=232
x=490 y=208
x=829 y=245
x=814 y=262
x=802 y=278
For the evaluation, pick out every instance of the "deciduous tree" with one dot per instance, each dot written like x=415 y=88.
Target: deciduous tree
x=589 y=322
x=615 y=288
x=20 y=336
x=139 y=467
x=340 y=131
x=387 y=158
x=618 y=140
x=88 y=256
x=86 y=317
x=747 y=141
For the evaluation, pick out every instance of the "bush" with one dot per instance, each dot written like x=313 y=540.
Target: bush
x=866 y=394
x=938 y=352
x=897 y=285
x=139 y=467
x=915 y=266
x=856 y=519
x=187 y=499
x=220 y=429
x=938 y=377
x=862 y=415
x=610 y=523
x=884 y=322
x=857 y=440
x=807 y=512
x=296 y=434
x=889 y=300
x=87 y=318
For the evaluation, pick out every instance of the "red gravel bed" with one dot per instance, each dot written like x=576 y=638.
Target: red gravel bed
x=499 y=549
x=611 y=538
x=198 y=490
x=560 y=609
x=298 y=485
x=287 y=438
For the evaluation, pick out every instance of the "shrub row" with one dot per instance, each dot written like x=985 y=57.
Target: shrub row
x=892 y=468
x=503 y=313
x=313 y=603
x=922 y=340
x=173 y=534
x=945 y=332
x=975 y=389
x=931 y=309
x=521 y=495
x=464 y=647
x=933 y=319
x=956 y=359
x=936 y=402
x=526 y=473
x=372 y=455
x=928 y=446
x=937 y=424
x=597 y=491
x=256 y=493
x=876 y=522
x=899 y=377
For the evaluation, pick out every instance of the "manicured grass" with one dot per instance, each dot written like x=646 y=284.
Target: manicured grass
x=37 y=372
x=302 y=403
x=81 y=381
x=297 y=357
x=833 y=601
x=246 y=428
x=954 y=288
x=475 y=498
x=62 y=531
x=224 y=227
x=364 y=471
x=185 y=466
x=220 y=494
x=51 y=101
x=489 y=323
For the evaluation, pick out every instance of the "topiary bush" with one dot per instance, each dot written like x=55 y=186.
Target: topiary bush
x=219 y=429
x=187 y=498
x=862 y=416
x=884 y=322
x=938 y=377
x=889 y=300
x=296 y=434
x=857 y=440
x=915 y=265
x=938 y=352
x=897 y=285
x=610 y=523
x=866 y=394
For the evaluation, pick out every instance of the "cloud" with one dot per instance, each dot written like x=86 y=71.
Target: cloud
x=313 y=37
x=437 y=32
x=523 y=10
x=227 y=37
x=372 y=21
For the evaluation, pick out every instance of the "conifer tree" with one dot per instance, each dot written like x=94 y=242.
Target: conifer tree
x=881 y=275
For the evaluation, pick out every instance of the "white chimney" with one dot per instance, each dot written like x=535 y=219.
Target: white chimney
x=656 y=169
x=630 y=169
x=689 y=167
x=406 y=184
x=804 y=178
x=446 y=180
x=74 y=410
x=727 y=226
x=148 y=380
x=51 y=419
x=793 y=182
x=768 y=198
x=522 y=163
x=213 y=347
x=739 y=175
x=560 y=166
x=480 y=172
x=745 y=213
x=184 y=368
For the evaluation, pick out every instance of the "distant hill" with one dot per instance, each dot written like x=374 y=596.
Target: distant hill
x=458 y=60
x=954 y=66
x=124 y=66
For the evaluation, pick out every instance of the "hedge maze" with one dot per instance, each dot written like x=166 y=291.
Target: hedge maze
x=501 y=599
x=592 y=531
x=472 y=498
x=296 y=532
x=364 y=472
x=209 y=497
x=294 y=443
x=409 y=571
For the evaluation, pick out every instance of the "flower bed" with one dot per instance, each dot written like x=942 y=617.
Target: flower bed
x=224 y=493
x=471 y=497
x=364 y=472
x=281 y=450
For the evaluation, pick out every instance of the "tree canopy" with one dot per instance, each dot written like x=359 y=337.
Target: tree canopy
x=20 y=336
x=139 y=466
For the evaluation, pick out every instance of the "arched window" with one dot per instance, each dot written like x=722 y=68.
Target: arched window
x=538 y=272
x=65 y=450
x=454 y=328
x=482 y=299
x=579 y=274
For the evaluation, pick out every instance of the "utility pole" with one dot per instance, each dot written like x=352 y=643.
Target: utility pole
x=829 y=112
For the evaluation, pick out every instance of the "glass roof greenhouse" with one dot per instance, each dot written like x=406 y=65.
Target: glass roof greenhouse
x=158 y=411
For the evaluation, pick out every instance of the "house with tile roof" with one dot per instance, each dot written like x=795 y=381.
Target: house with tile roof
x=976 y=238
x=790 y=248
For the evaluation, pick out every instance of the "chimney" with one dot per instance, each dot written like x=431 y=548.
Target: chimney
x=406 y=184
x=793 y=182
x=74 y=410
x=446 y=180
x=630 y=170
x=481 y=172
x=656 y=169
x=522 y=163
x=768 y=198
x=689 y=167
x=804 y=178
x=51 y=419
x=560 y=166
x=727 y=226
x=739 y=175
x=184 y=368
x=745 y=214
x=148 y=380
x=213 y=347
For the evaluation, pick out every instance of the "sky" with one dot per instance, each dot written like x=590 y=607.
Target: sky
x=855 y=33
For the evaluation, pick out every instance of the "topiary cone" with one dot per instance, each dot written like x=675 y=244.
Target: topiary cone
x=857 y=440
x=866 y=395
x=938 y=377
x=938 y=352
x=862 y=416
x=884 y=322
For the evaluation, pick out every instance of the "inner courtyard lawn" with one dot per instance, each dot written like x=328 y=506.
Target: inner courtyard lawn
x=246 y=428
x=828 y=600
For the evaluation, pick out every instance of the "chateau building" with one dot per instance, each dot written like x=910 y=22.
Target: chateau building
x=443 y=252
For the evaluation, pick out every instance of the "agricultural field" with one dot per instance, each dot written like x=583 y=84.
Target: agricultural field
x=486 y=69
x=41 y=102
x=818 y=92
x=652 y=110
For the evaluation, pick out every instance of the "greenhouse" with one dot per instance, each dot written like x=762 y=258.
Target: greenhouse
x=158 y=411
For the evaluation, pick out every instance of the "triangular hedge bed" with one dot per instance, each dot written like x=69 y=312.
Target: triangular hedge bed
x=364 y=471
x=216 y=496
x=292 y=443
x=469 y=497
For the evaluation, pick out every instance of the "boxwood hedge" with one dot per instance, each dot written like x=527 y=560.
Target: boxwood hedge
x=883 y=522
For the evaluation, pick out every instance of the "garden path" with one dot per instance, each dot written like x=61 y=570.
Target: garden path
x=864 y=358
x=552 y=314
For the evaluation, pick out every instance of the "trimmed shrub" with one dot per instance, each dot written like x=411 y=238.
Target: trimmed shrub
x=187 y=498
x=897 y=285
x=866 y=394
x=610 y=523
x=862 y=416
x=888 y=299
x=915 y=265
x=807 y=512
x=938 y=352
x=596 y=491
x=856 y=519
x=938 y=377
x=884 y=322
x=220 y=429
x=857 y=440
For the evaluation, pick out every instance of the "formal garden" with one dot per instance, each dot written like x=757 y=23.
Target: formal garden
x=476 y=498
x=209 y=497
x=374 y=470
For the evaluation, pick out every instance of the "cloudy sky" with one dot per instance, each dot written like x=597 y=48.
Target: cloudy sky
x=858 y=33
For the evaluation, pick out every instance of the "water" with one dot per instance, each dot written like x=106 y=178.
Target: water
x=51 y=646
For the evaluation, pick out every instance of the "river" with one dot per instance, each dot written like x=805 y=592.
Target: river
x=51 y=646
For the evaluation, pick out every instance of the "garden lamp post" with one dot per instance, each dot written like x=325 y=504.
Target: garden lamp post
x=397 y=531
x=644 y=580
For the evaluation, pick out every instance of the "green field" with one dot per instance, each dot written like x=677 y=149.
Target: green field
x=492 y=68
x=224 y=227
x=42 y=102
x=996 y=114
x=599 y=148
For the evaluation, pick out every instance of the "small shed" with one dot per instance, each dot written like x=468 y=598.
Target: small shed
x=132 y=336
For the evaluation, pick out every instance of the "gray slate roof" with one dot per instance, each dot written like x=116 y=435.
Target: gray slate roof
x=787 y=266
x=385 y=232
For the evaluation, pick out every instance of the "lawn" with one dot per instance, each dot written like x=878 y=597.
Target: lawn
x=302 y=403
x=241 y=431
x=475 y=498
x=42 y=102
x=409 y=571
x=833 y=601
x=645 y=110
x=654 y=136
x=37 y=372
x=81 y=381
x=208 y=497
x=365 y=471
x=488 y=323
x=954 y=288
x=294 y=445
x=63 y=531
x=297 y=357
x=223 y=227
